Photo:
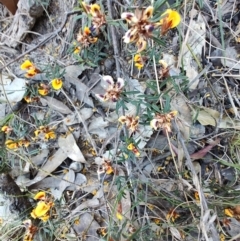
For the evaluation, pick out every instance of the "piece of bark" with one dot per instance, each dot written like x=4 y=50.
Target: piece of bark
x=11 y=191
x=11 y=5
x=24 y=20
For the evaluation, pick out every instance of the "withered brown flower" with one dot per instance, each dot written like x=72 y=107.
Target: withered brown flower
x=163 y=121
x=113 y=90
x=85 y=38
x=98 y=18
x=141 y=27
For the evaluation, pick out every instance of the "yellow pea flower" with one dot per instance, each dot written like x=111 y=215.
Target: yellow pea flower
x=171 y=19
x=77 y=50
x=11 y=144
x=138 y=61
x=228 y=212
x=41 y=210
x=27 y=64
x=119 y=216
x=40 y=196
x=6 y=129
x=44 y=218
x=30 y=68
x=57 y=84
x=43 y=89
x=132 y=147
x=31 y=72
x=23 y=143
x=50 y=135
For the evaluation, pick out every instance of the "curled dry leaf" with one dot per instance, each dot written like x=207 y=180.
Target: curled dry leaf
x=53 y=182
x=76 y=166
x=47 y=182
x=69 y=146
x=55 y=104
x=207 y=116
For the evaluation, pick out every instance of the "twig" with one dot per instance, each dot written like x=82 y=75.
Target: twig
x=52 y=35
x=114 y=38
x=230 y=98
x=83 y=123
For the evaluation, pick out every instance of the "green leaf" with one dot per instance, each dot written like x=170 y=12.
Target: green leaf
x=158 y=4
x=159 y=41
x=6 y=119
x=156 y=108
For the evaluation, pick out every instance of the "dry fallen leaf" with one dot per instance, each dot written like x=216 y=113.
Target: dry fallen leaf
x=40 y=157
x=201 y=153
x=89 y=225
x=231 y=58
x=66 y=181
x=12 y=91
x=193 y=47
x=69 y=146
x=206 y=116
x=55 y=104
x=184 y=120
x=52 y=163
x=71 y=77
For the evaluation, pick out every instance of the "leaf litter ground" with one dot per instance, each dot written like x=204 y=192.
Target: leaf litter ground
x=109 y=181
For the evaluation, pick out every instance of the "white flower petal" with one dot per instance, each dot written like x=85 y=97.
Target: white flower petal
x=127 y=37
x=148 y=12
x=108 y=79
x=129 y=17
x=120 y=83
x=100 y=97
x=154 y=124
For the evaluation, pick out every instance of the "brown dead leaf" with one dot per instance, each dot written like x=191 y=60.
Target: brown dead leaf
x=200 y=154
